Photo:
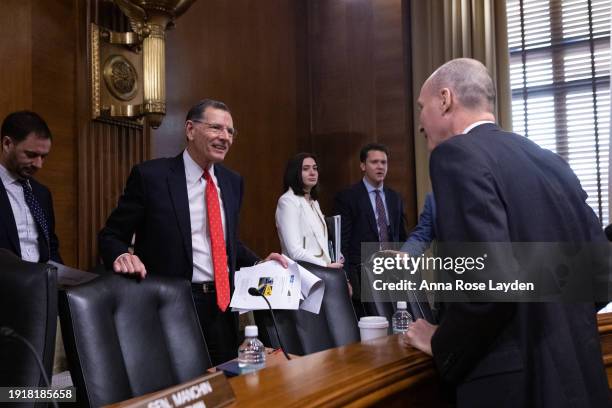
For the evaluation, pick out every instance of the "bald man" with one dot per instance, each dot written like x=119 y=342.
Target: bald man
x=496 y=186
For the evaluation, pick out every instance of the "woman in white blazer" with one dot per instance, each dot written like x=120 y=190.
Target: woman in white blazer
x=301 y=225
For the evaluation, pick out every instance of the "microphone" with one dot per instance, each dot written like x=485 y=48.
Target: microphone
x=10 y=333
x=255 y=292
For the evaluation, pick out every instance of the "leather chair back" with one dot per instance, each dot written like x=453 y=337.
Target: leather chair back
x=385 y=304
x=28 y=305
x=126 y=337
x=303 y=332
x=385 y=309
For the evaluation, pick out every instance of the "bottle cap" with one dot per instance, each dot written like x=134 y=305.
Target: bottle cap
x=250 y=331
x=401 y=305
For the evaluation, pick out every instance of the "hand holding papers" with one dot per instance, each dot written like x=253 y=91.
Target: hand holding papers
x=284 y=288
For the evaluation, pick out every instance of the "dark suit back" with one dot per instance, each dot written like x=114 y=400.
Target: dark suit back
x=495 y=186
x=9 y=238
x=155 y=206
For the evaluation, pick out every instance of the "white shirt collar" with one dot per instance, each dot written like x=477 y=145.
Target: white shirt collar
x=6 y=176
x=193 y=171
x=370 y=187
x=473 y=125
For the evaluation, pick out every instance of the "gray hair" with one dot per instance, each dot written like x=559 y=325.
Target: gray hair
x=469 y=79
x=199 y=108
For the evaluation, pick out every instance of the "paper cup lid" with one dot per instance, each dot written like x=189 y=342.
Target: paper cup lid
x=373 y=322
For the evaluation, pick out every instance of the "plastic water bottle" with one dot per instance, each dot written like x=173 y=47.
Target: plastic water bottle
x=251 y=353
x=401 y=318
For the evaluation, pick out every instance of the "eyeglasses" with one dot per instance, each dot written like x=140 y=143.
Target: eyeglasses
x=218 y=129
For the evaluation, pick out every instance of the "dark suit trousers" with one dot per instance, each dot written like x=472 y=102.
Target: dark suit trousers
x=220 y=328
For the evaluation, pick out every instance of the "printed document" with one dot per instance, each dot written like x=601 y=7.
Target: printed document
x=292 y=288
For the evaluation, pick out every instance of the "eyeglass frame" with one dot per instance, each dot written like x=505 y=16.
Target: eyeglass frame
x=232 y=132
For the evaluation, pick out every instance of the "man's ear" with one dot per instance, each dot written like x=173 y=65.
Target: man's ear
x=362 y=166
x=446 y=100
x=6 y=143
x=189 y=129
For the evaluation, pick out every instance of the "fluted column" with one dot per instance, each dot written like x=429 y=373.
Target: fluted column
x=154 y=81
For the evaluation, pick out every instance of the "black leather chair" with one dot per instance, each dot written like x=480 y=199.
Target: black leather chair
x=126 y=337
x=385 y=302
x=28 y=306
x=385 y=309
x=303 y=332
x=417 y=307
x=382 y=305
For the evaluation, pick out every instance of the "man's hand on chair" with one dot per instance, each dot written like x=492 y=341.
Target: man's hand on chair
x=129 y=264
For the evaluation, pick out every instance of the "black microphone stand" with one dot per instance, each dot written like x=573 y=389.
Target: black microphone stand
x=10 y=333
x=255 y=292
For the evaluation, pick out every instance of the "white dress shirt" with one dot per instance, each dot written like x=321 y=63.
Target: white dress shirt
x=200 y=234
x=473 y=125
x=26 y=226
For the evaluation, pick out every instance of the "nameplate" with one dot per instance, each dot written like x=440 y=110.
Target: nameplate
x=209 y=391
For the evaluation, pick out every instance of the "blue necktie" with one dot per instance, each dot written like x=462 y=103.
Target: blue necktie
x=36 y=210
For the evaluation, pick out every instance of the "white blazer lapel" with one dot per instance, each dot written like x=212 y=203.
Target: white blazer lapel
x=317 y=223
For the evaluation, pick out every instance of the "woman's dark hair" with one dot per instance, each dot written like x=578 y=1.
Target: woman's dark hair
x=293 y=175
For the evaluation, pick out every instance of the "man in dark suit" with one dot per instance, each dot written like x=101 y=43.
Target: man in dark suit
x=27 y=221
x=494 y=186
x=370 y=212
x=184 y=213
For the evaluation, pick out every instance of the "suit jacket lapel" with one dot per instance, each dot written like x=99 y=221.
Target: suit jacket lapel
x=8 y=219
x=314 y=221
x=322 y=227
x=177 y=187
x=393 y=213
x=229 y=201
x=366 y=205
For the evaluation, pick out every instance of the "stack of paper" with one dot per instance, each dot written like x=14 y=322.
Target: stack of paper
x=284 y=288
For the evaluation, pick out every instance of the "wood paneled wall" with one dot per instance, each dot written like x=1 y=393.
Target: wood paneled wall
x=107 y=148
x=43 y=46
x=360 y=92
x=250 y=54
x=299 y=75
x=325 y=76
x=37 y=72
x=107 y=153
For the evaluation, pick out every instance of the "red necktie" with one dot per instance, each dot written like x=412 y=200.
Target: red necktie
x=217 y=243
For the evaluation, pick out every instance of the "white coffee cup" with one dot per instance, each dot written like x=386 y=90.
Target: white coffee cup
x=372 y=327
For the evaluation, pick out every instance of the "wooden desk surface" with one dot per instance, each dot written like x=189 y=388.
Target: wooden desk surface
x=360 y=374
x=604 y=322
x=380 y=372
